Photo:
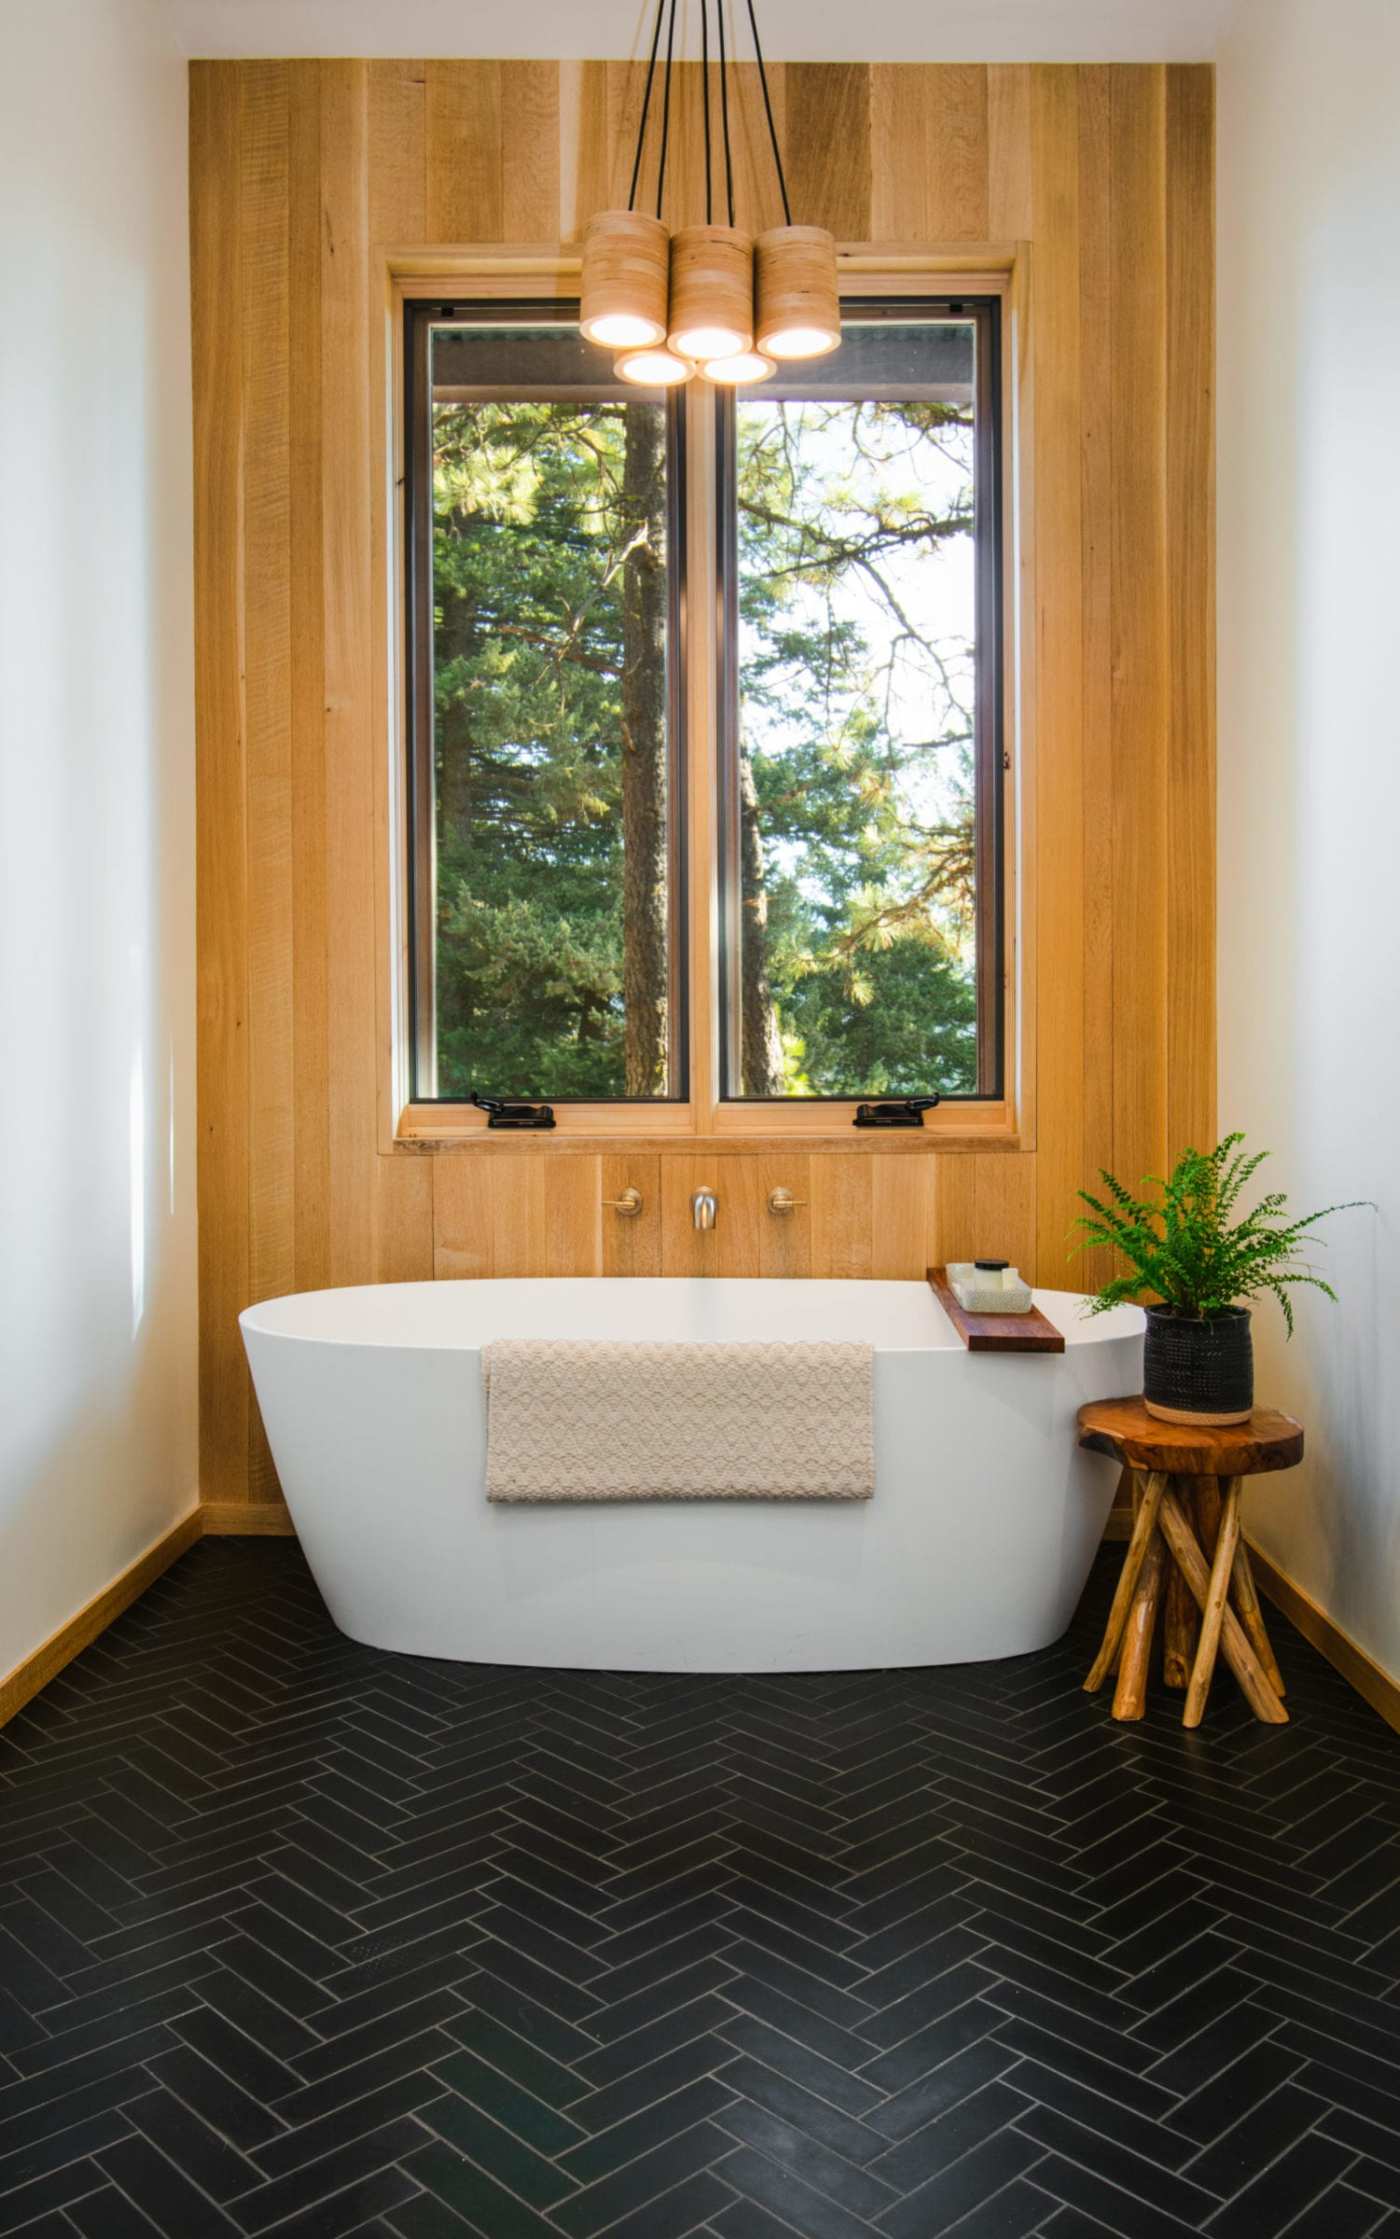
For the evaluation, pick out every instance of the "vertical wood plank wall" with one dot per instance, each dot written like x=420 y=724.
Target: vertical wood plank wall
x=302 y=173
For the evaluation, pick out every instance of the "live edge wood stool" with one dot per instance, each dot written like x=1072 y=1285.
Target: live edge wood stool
x=1182 y=1472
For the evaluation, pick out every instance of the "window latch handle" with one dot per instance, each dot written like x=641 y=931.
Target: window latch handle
x=908 y=1111
x=517 y=1116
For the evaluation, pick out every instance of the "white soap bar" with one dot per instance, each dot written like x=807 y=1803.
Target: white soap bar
x=989 y=1290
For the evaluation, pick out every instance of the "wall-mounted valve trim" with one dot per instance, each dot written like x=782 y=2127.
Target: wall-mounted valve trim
x=628 y=1205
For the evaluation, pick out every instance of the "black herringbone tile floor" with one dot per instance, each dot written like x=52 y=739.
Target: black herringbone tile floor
x=300 y=1938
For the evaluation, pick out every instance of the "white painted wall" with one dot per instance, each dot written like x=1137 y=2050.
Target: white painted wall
x=796 y=30
x=97 y=1252
x=1309 y=497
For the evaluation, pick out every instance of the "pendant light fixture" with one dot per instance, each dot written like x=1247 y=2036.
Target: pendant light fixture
x=712 y=265
x=798 y=313
x=626 y=280
x=708 y=298
x=711 y=292
x=654 y=369
x=740 y=369
x=625 y=290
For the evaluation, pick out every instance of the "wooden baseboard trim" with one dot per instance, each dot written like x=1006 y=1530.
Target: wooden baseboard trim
x=269 y=1517
x=1360 y=1670
x=46 y=1661
x=228 y=1519
x=224 y=1518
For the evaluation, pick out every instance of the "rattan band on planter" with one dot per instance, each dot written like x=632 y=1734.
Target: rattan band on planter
x=626 y=275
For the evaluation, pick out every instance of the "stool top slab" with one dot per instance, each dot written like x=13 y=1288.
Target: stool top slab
x=1123 y=1428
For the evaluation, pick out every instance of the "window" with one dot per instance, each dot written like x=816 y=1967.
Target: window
x=544 y=596
x=860 y=729
x=853 y=511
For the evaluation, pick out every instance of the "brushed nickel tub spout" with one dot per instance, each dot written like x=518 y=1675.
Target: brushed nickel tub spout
x=704 y=1205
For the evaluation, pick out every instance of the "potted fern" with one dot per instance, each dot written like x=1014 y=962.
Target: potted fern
x=1196 y=1265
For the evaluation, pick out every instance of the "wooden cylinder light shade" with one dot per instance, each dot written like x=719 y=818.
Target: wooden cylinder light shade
x=799 y=310
x=625 y=284
x=711 y=292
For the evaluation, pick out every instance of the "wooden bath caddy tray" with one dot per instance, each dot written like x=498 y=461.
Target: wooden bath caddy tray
x=995 y=1333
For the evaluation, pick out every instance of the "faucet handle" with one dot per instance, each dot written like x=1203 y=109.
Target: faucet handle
x=783 y=1201
x=628 y=1205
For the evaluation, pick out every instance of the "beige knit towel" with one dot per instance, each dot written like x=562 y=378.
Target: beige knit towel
x=602 y=1421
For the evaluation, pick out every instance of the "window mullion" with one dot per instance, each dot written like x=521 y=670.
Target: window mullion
x=700 y=654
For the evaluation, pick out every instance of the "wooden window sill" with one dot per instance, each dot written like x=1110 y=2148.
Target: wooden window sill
x=734 y=1128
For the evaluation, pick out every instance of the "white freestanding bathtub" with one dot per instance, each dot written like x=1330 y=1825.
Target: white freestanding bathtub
x=977 y=1542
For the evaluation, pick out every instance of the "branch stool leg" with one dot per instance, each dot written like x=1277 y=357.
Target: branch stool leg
x=1235 y=1646
x=1133 y=1481
x=1204 y=1508
x=1130 y=1695
x=1179 y=1622
x=1213 y=1610
x=1251 y=1616
x=1144 y=1528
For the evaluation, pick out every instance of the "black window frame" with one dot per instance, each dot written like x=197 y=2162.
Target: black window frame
x=420 y=316
x=989 y=753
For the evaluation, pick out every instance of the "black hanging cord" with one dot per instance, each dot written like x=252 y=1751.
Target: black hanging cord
x=768 y=112
x=705 y=98
x=724 y=113
x=646 y=104
x=666 y=109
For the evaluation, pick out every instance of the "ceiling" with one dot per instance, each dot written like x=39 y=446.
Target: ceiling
x=794 y=30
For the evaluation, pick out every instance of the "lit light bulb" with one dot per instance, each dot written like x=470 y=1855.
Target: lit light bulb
x=800 y=342
x=741 y=367
x=654 y=369
x=624 y=330
x=703 y=343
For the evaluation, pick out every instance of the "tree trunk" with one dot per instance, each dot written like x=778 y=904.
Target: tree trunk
x=760 y=1052
x=645 y=974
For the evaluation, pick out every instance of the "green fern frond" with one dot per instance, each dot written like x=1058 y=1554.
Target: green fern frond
x=1181 y=1246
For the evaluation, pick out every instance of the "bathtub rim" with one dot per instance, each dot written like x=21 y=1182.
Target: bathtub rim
x=267 y=1319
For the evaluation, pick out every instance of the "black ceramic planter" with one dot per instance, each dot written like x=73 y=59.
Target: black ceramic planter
x=1198 y=1371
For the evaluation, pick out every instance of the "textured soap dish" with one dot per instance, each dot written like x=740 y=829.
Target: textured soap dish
x=989 y=1286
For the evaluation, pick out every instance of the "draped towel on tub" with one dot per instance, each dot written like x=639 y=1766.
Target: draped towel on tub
x=608 y=1421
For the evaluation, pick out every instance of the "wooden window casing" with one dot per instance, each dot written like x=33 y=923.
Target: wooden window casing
x=703 y=1118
